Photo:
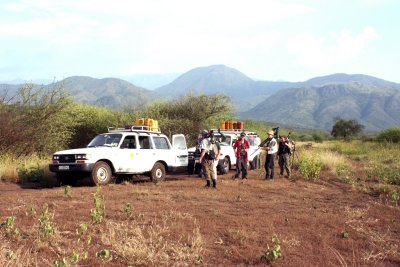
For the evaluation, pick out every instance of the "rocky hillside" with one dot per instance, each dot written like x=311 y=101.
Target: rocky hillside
x=315 y=107
x=108 y=92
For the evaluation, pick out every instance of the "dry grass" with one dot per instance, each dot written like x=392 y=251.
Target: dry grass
x=150 y=244
x=23 y=169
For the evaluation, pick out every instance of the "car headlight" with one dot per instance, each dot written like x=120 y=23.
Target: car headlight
x=56 y=157
x=83 y=156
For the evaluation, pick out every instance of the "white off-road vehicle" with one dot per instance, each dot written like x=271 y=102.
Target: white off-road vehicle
x=128 y=151
x=227 y=159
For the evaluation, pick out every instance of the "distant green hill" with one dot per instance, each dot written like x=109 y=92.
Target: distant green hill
x=107 y=92
x=315 y=107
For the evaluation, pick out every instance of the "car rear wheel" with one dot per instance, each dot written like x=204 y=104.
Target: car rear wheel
x=226 y=165
x=101 y=173
x=158 y=174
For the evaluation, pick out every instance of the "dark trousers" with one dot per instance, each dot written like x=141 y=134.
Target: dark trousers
x=283 y=161
x=269 y=166
x=241 y=165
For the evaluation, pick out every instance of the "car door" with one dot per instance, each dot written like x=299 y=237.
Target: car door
x=146 y=153
x=180 y=150
x=128 y=159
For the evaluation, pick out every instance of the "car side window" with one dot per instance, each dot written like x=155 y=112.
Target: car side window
x=129 y=142
x=160 y=142
x=144 y=142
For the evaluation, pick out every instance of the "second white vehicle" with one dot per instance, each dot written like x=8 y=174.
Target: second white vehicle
x=227 y=159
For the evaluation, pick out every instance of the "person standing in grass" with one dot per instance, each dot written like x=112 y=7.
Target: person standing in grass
x=241 y=147
x=207 y=158
x=271 y=147
x=284 y=151
x=217 y=151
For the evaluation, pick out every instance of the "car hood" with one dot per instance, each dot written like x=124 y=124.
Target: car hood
x=83 y=150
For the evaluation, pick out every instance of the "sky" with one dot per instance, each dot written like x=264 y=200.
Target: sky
x=270 y=40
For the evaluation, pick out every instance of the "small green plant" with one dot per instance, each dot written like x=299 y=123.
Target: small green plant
x=9 y=222
x=46 y=224
x=98 y=212
x=345 y=234
x=274 y=252
x=394 y=196
x=104 y=254
x=9 y=227
x=31 y=211
x=67 y=191
x=10 y=255
x=128 y=209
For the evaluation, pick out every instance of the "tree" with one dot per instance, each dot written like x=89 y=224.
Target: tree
x=346 y=128
x=31 y=121
x=188 y=114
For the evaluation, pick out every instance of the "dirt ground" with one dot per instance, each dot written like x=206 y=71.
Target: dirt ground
x=324 y=223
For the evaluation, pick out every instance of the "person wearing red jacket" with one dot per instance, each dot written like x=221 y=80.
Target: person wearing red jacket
x=241 y=147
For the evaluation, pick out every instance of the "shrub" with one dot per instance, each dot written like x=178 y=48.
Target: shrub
x=390 y=135
x=310 y=167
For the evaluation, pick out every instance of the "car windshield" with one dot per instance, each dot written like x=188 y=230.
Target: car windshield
x=111 y=140
x=223 y=140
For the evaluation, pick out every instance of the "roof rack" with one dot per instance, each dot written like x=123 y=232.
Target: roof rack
x=233 y=131
x=135 y=128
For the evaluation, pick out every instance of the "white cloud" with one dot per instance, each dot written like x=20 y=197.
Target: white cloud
x=314 y=52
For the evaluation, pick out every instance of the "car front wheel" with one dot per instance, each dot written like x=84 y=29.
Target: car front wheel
x=101 y=173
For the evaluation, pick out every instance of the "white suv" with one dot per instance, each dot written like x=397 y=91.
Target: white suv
x=227 y=159
x=122 y=152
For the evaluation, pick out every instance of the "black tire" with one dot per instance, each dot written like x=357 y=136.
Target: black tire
x=158 y=173
x=226 y=166
x=65 y=179
x=102 y=174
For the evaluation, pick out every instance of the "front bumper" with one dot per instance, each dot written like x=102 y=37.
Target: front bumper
x=85 y=167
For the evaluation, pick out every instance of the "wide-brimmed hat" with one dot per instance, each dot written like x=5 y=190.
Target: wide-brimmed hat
x=270 y=132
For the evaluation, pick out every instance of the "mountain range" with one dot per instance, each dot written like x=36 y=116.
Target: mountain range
x=314 y=103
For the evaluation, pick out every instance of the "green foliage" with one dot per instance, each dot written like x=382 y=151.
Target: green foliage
x=67 y=191
x=46 y=223
x=274 y=252
x=188 y=114
x=345 y=234
x=387 y=174
x=128 y=209
x=390 y=135
x=318 y=138
x=33 y=121
x=90 y=120
x=309 y=166
x=98 y=212
x=31 y=174
x=346 y=128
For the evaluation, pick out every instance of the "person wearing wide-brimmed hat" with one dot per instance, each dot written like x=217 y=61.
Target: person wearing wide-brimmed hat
x=271 y=147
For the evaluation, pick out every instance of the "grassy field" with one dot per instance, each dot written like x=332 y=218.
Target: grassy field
x=340 y=209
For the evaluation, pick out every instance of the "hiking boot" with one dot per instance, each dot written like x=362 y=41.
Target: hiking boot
x=208 y=184
x=214 y=182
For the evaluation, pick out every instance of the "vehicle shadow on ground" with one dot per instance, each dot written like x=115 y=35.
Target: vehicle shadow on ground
x=87 y=182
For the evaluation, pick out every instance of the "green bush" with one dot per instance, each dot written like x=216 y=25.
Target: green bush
x=390 y=135
x=318 y=138
x=30 y=174
x=310 y=167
